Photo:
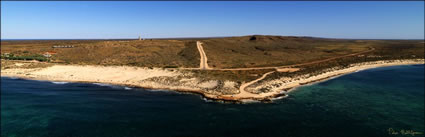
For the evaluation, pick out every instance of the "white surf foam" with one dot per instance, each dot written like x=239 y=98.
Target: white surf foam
x=127 y=88
x=57 y=82
x=103 y=85
x=109 y=85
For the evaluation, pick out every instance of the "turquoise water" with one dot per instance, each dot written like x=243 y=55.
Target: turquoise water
x=366 y=103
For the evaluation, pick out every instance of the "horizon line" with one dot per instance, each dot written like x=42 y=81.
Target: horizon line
x=207 y=37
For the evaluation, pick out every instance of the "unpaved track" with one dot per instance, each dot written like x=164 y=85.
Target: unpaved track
x=204 y=60
x=201 y=51
x=243 y=93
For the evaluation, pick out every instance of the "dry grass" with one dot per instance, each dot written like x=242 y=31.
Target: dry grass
x=10 y=64
x=147 y=53
x=231 y=52
x=241 y=52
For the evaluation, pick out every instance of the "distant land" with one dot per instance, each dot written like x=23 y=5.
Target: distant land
x=194 y=38
x=236 y=69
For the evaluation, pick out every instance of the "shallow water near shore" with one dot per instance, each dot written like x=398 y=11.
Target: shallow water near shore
x=365 y=103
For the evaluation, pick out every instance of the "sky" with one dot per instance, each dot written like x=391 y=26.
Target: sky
x=167 y=19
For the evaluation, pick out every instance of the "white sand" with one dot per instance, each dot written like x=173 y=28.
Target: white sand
x=208 y=84
x=74 y=73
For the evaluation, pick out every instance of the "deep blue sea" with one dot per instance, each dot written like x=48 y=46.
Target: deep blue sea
x=366 y=103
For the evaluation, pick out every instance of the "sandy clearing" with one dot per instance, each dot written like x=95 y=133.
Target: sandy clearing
x=208 y=84
x=19 y=64
x=287 y=69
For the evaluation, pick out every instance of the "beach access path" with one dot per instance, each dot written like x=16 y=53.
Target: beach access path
x=243 y=93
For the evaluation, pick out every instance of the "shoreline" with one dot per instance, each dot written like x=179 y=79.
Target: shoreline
x=341 y=72
x=131 y=77
x=177 y=90
x=282 y=91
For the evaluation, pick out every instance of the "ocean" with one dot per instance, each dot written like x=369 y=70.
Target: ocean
x=374 y=102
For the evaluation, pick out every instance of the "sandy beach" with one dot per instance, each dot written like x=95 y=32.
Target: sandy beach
x=157 y=78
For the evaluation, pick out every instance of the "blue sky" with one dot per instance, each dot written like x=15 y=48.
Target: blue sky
x=86 y=20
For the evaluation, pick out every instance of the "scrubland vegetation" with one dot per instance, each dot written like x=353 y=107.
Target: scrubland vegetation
x=229 y=52
x=239 y=67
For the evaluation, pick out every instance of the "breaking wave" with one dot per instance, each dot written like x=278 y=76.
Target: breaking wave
x=60 y=82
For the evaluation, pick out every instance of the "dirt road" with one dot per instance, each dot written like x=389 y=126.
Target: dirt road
x=205 y=65
x=204 y=60
x=243 y=93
